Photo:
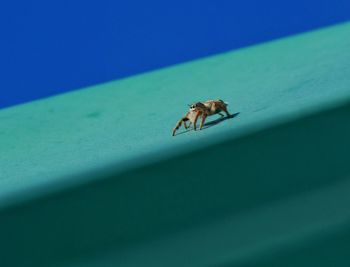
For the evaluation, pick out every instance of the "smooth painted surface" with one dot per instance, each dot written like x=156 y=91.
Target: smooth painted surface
x=50 y=47
x=43 y=142
x=279 y=192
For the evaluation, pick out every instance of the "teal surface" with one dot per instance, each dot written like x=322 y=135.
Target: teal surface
x=94 y=177
x=44 y=141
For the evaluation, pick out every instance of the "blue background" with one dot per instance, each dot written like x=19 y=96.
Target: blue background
x=49 y=47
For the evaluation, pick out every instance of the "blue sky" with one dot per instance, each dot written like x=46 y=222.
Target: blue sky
x=50 y=47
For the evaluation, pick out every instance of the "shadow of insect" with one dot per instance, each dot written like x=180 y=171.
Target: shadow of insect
x=211 y=123
x=219 y=120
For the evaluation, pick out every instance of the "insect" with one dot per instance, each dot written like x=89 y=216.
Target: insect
x=203 y=110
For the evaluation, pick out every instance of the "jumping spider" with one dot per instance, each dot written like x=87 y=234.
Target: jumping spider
x=203 y=110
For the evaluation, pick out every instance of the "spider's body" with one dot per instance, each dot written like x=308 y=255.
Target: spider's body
x=202 y=110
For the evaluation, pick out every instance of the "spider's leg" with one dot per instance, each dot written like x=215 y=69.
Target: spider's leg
x=202 y=122
x=178 y=124
x=224 y=109
x=188 y=126
x=195 y=121
x=185 y=124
